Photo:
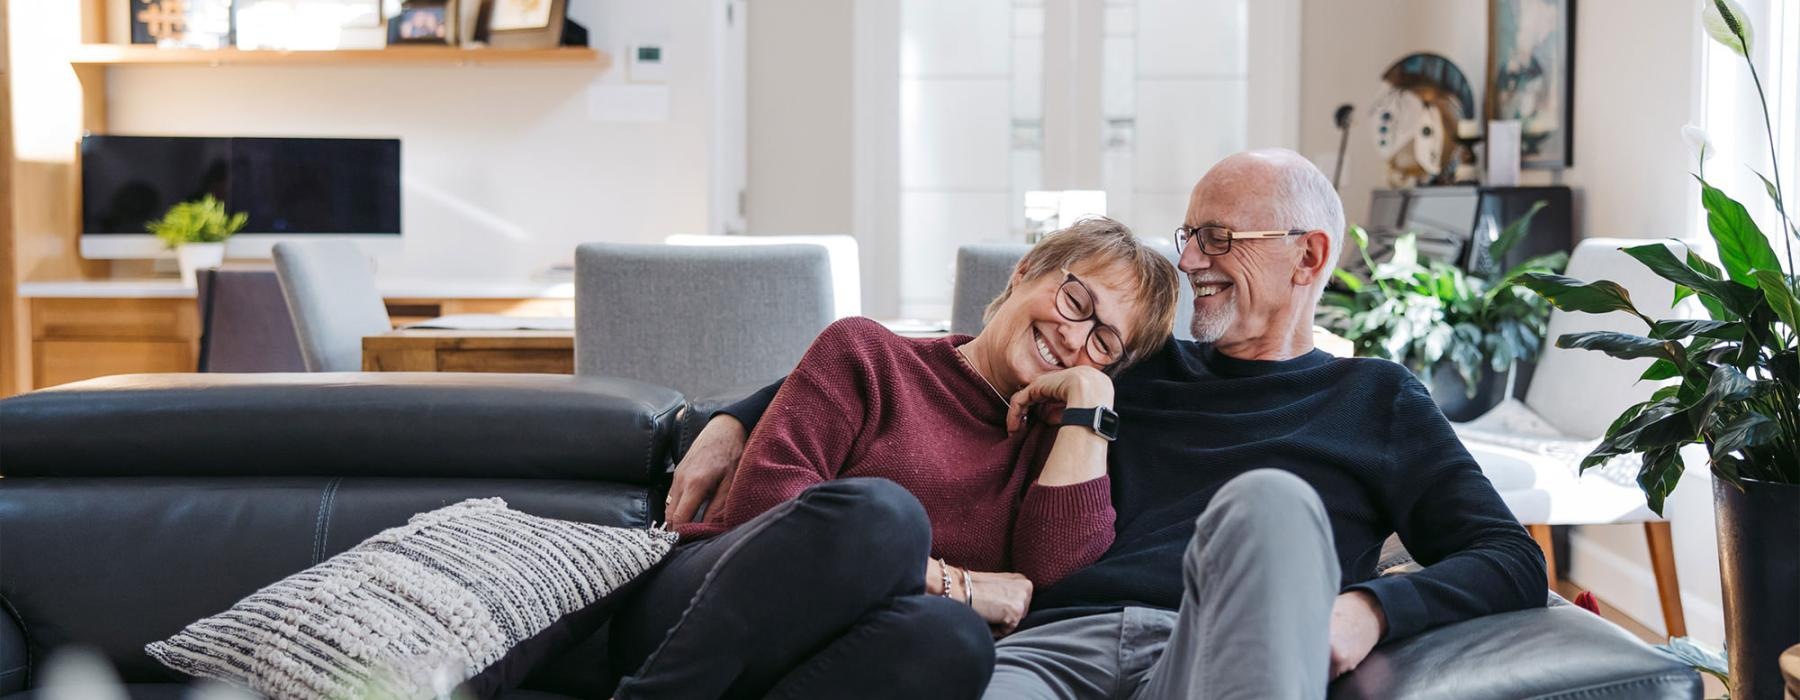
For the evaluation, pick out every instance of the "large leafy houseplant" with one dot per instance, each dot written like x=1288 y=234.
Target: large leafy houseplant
x=1427 y=313
x=1738 y=372
x=1733 y=386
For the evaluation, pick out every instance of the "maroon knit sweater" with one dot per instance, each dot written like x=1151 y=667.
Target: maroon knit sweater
x=866 y=402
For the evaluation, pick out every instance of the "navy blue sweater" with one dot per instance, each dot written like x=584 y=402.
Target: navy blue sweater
x=1364 y=433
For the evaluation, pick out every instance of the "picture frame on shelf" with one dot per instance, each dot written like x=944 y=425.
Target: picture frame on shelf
x=191 y=24
x=1531 y=77
x=424 y=23
x=308 y=25
x=522 y=24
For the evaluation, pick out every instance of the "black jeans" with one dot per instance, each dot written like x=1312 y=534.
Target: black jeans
x=821 y=597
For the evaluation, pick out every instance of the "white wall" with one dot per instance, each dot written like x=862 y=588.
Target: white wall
x=1636 y=84
x=504 y=173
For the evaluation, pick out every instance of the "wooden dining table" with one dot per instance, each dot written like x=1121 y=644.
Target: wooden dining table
x=442 y=350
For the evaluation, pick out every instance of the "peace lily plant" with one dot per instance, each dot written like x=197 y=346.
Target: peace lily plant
x=1734 y=388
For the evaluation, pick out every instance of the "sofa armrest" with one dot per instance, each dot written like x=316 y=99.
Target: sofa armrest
x=365 y=424
x=15 y=657
x=1555 y=652
x=698 y=411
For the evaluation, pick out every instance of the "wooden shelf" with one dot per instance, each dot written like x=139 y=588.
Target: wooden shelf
x=143 y=55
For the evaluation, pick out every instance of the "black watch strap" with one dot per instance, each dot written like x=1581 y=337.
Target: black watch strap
x=1102 y=420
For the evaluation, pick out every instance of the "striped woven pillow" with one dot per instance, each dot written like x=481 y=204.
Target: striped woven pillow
x=418 y=609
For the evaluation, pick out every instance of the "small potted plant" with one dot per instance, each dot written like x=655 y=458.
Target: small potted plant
x=196 y=231
x=1461 y=332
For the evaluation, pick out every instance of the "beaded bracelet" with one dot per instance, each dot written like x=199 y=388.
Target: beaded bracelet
x=944 y=573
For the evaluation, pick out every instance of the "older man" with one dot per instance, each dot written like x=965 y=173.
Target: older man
x=1255 y=479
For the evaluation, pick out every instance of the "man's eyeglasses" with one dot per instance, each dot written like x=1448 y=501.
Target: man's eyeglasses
x=1075 y=301
x=1216 y=240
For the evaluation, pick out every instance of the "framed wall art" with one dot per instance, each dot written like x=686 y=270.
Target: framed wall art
x=1531 y=77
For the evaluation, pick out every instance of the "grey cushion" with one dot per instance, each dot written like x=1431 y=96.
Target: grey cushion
x=330 y=290
x=443 y=599
x=698 y=319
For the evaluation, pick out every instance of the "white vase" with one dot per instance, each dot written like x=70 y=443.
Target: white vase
x=196 y=256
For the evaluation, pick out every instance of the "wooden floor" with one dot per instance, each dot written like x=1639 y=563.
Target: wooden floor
x=1569 y=590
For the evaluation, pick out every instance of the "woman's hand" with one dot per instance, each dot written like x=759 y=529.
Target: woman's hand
x=1081 y=387
x=1000 y=598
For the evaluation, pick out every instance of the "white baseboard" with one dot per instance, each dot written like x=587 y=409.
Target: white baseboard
x=1630 y=586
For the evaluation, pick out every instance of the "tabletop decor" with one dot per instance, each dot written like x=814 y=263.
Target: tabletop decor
x=196 y=231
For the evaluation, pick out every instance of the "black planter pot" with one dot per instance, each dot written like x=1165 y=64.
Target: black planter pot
x=1451 y=394
x=1759 y=567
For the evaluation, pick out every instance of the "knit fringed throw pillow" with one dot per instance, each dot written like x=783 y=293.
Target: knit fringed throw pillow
x=422 y=608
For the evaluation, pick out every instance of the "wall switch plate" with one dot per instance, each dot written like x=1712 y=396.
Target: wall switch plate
x=645 y=63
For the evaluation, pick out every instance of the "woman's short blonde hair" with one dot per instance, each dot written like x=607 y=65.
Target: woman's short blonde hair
x=1099 y=242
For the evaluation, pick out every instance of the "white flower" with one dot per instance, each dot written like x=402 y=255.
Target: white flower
x=1698 y=142
x=1721 y=18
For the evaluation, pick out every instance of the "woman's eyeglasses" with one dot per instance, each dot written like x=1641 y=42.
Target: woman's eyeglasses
x=1075 y=301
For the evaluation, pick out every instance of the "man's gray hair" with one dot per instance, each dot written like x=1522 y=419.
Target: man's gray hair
x=1304 y=198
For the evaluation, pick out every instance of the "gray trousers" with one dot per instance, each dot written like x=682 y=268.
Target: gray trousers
x=1259 y=579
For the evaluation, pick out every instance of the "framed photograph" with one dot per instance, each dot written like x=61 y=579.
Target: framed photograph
x=514 y=15
x=424 y=22
x=1531 y=77
x=521 y=24
x=194 y=24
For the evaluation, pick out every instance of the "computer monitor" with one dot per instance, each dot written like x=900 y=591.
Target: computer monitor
x=291 y=188
x=1444 y=219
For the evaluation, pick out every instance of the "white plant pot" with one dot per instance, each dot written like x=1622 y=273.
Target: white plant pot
x=196 y=256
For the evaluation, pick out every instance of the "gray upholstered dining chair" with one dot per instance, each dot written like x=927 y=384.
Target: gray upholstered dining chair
x=699 y=320
x=330 y=290
x=244 y=323
x=983 y=269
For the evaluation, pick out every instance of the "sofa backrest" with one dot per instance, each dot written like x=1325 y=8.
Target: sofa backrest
x=365 y=424
x=132 y=506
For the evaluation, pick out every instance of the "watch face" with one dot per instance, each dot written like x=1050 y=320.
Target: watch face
x=1108 y=424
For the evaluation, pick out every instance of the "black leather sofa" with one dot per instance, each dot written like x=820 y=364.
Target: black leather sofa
x=132 y=505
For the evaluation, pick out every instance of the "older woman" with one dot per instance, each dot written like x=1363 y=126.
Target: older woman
x=893 y=502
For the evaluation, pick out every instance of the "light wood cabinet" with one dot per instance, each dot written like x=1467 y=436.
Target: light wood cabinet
x=76 y=338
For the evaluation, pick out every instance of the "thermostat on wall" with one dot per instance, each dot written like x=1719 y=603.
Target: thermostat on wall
x=644 y=64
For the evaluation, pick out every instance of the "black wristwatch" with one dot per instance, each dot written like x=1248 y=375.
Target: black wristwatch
x=1101 y=419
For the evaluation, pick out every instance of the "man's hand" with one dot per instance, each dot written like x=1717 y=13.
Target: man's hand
x=706 y=470
x=1357 y=623
x=1080 y=386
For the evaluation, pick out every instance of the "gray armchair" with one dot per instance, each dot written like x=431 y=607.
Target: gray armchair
x=983 y=269
x=698 y=319
x=330 y=290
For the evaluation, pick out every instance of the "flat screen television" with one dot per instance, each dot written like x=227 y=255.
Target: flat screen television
x=292 y=188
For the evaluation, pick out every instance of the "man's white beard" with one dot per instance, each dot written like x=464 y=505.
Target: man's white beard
x=1209 y=327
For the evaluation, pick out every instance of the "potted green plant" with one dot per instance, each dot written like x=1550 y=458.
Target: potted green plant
x=196 y=231
x=1462 y=333
x=1738 y=394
